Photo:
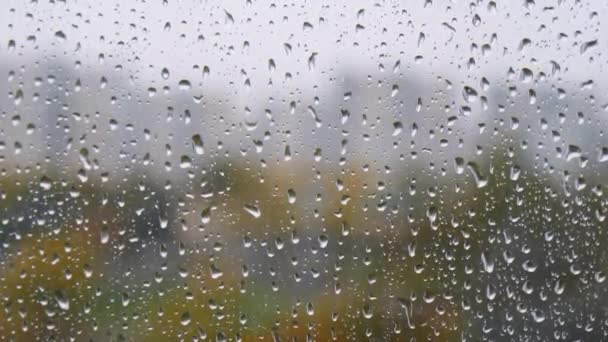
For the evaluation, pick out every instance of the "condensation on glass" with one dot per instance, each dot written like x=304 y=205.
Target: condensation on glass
x=310 y=170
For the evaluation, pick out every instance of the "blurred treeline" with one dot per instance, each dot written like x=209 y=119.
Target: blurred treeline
x=448 y=229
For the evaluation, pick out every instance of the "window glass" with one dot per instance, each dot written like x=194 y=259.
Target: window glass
x=309 y=170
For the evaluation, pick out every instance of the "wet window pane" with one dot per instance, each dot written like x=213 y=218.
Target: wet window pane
x=309 y=170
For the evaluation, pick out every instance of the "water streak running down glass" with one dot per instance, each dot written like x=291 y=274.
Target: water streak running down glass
x=303 y=171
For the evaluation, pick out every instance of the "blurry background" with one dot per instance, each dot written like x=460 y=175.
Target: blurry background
x=393 y=170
